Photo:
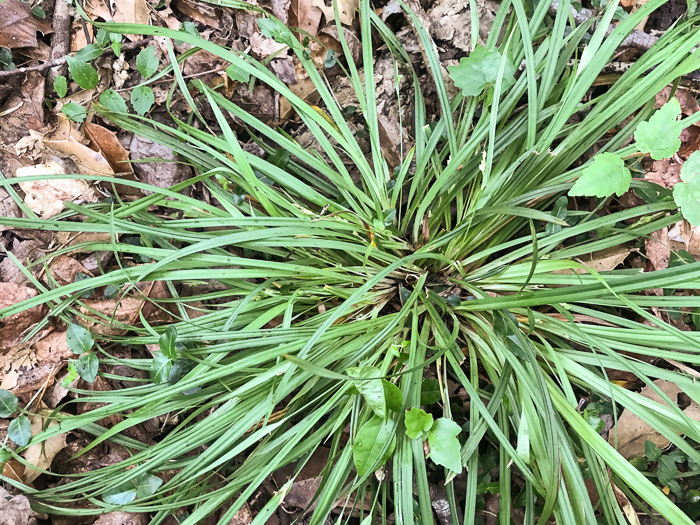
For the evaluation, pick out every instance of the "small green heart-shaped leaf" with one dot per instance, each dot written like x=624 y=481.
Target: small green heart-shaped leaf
x=142 y=99
x=87 y=366
x=147 y=62
x=113 y=101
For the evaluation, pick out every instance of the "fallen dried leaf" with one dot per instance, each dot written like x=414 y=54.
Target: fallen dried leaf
x=12 y=328
x=200 y=12
x=46 y=197
x=159 y=174
x=41 y=454
x=18 y=26
x=107 y=143
x=307 y=14
x=658 y=249
x=625 y=505
x=631 y=432
x=125 y=11
x=683 y=236
x=68 y=141
x=606 y=260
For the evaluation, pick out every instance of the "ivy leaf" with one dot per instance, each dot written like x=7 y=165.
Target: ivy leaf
x=417 y=422
x=87 y=366
x=142 y=99
x=74 y=112
x=371 y=389
x=8 y=403
x=167 y=342
x=160 y=368
x=480 y=69
x=78 y=339
x=660 y=136
x=20 y=430
x=606 y=175
x=687 y=193
x=113 y=101
x=444 y=445
x=373 y=445
x=82 y=72
x=147 y=62
x=60 y=85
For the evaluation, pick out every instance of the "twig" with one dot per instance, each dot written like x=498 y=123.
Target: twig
x=128 y=46
x=636 y=39
x=60 y=41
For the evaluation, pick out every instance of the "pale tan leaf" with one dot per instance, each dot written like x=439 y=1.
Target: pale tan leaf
x=65 y=140
x=631 y=432
x=41 y=454
x=46 y=197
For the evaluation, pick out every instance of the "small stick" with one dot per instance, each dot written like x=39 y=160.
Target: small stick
x=60 y=41
x=128 y=46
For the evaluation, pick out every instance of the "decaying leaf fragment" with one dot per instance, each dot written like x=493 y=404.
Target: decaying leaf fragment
x=631 y=432
x=46 y=197
x=18 y=26
x=41 y=454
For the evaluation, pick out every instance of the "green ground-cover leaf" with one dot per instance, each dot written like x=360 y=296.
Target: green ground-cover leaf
x=660 y=135
x=479 y=70
x=606 y=176
x=687 y=193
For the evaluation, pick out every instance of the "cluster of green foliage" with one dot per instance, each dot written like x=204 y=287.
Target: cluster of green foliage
x=460 y=262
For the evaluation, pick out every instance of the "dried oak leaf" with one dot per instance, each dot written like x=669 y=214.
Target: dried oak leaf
x=12 y=328
x=631 y=432
x=18 y=26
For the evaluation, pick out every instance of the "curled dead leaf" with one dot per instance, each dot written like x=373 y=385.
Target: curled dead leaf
x=107 y=143
x=67 y=141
